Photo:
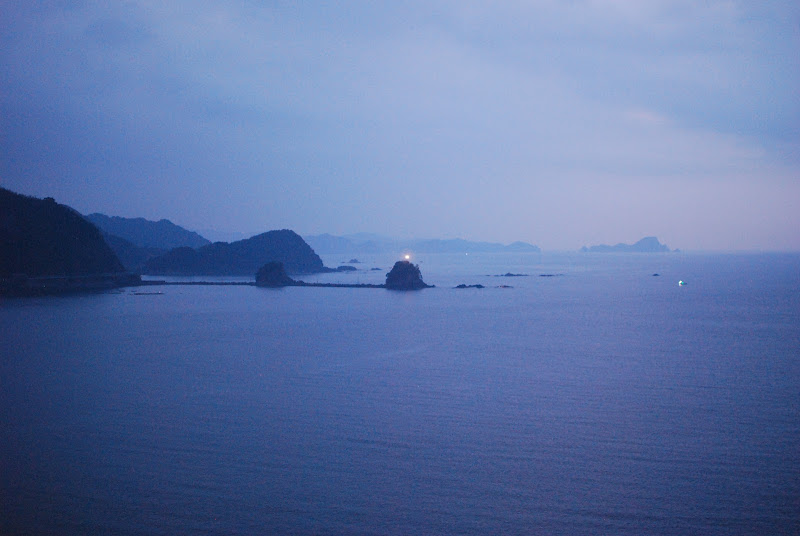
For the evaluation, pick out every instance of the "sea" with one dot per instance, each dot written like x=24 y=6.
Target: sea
x=589 y=394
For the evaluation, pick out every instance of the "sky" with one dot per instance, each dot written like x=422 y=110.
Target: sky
x=561 y=123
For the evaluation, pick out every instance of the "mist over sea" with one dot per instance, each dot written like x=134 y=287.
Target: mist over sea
x=599 y=399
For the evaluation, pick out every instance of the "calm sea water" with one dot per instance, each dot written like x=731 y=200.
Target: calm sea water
x=602 y=400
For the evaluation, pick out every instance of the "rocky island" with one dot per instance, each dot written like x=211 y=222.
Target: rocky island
x=273 y=275
x=403 y=276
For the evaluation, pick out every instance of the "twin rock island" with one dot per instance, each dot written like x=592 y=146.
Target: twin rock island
x=403 y=276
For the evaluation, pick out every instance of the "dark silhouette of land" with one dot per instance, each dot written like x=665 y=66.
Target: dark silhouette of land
x=162 y=234
x=273 y=275
x=137 y=240
x=243 y=257
x=371 y=244
x=48 y=248
x=131 y=256
x=649 y=244
x=403 y=276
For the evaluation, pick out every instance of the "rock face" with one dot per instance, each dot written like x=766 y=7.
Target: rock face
x=39 y=237
x=243 y=257
x=405 y=276
x=273 y=275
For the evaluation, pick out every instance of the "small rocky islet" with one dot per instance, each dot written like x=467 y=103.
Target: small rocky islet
x=403 y=276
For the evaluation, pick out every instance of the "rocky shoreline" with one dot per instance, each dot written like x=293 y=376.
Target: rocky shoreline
x=22 y=285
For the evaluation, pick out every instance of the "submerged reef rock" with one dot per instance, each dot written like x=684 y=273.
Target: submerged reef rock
x=273 y=275
x=405 y=276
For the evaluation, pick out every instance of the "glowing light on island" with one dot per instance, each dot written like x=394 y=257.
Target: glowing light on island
x=407 y=256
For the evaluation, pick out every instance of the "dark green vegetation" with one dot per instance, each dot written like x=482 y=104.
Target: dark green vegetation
x=243 y=257
x=49 y=248
x=649 y=244
x=405 y=276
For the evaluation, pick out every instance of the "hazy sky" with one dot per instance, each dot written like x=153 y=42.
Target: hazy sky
x=556 y=122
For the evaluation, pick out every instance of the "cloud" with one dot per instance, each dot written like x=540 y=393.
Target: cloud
x=348 y=117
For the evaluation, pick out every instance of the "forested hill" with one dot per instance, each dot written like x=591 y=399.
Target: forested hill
x=243 y=257
x=39 y=237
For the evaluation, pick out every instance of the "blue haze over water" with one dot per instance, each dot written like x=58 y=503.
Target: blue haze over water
x=600 y=401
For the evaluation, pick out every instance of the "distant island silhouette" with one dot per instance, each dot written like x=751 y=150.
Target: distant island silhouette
x=372 y=244
x=649 y=244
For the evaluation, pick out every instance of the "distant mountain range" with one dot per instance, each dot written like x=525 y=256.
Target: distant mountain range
x=163 y=248
x=162 y=234
x=46 y=247
x=41 y=238
x=369 y=244
x=137 y=240
x=649 y=244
